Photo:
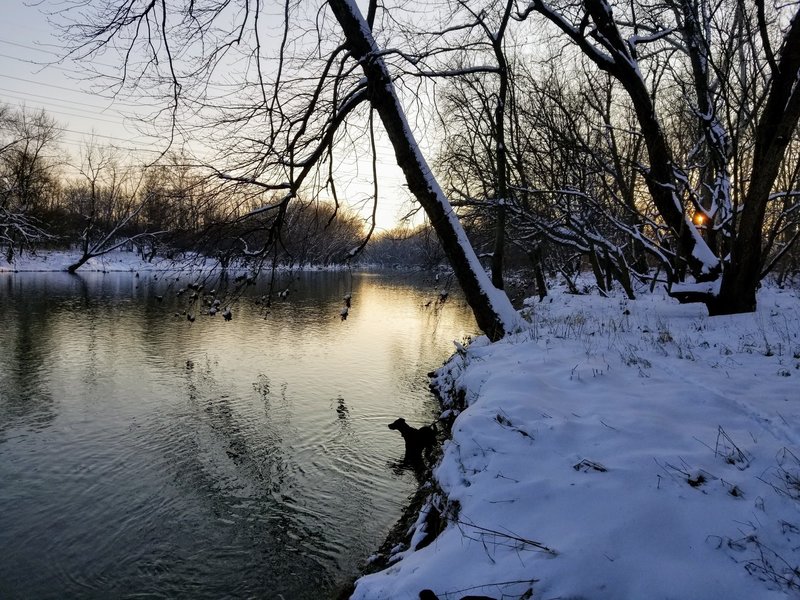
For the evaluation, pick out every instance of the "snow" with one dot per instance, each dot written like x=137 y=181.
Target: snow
x=125 y=261
x=695 y=287
x=117 y=260
x=701 y=251
x=618 y=449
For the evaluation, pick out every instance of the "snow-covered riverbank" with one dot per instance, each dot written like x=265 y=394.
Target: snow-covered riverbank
x=122 y=261
x=618 y=450
x=116 y=261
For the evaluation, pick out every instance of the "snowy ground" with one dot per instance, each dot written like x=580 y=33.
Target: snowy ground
x=619 y=450
x=120 y=260
x=59 y=260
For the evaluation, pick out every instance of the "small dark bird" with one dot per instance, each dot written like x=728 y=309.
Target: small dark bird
x=429 y=595
x=416 y=440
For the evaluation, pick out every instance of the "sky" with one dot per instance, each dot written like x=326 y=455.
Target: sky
x=31 y=76
x=27 y=44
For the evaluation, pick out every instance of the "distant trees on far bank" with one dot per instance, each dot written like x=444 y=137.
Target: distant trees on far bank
x=98 y=202
x=28 y=181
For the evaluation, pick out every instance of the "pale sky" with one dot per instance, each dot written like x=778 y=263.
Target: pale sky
x=28 y=43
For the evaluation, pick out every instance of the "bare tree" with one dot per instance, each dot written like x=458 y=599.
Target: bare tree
x=741 y=62
x=477 y=104
x=27 y=180
x=108 y=200
x=288 y=120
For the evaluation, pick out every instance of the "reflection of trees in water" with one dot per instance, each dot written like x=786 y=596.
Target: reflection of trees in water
x=49 y=316
x=92 y=325
x=26 y=341
x=231 y=432
x=415 y=353
x=236 y=460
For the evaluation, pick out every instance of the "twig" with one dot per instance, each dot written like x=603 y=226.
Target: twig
x=509 y=536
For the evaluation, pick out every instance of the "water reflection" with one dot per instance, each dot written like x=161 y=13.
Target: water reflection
x=25 y=399
x=142 y=454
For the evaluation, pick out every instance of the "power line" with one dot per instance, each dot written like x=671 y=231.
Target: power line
x=43 y=66
x=51 y=52
x=78 y=91
x=61 y=100
x=49 y=85
x=108 y=137
x=129 y=149
x=36 y=48
x=51 y=110
x=111 y=108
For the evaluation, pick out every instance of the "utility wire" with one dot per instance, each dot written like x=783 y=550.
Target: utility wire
x=50 y=85
x=58 y=112
x=50 y=52
x=108 y=137
x=64 y=101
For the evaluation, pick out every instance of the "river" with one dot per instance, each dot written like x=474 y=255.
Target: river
x=144 y=455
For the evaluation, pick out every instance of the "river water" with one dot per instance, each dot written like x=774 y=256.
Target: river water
x=143 y=455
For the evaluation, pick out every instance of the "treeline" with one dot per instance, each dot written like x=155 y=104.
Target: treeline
x=97 y=202
x=646 y=143
x=670 y=155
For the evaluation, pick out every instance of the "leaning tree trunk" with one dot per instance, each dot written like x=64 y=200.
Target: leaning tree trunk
x=79 y=263
x=493 y=310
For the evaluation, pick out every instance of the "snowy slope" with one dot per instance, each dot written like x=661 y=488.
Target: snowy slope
x=619 y=450
x=118 y=260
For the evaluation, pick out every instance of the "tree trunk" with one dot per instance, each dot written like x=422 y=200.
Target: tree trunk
x=598 y=273
x=535 y=257
x=79 y=263
x=774 y=130
x=661 y=178
x=498 y=256
x=502 y=191
x=492 y=309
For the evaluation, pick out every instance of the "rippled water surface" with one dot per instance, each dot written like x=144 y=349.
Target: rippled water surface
x=145 y=456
